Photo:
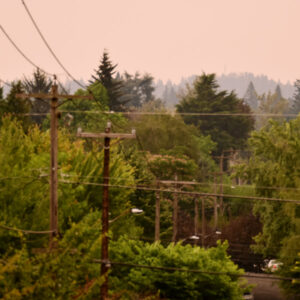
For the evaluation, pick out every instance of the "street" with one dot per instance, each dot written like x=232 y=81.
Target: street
x=267 y=289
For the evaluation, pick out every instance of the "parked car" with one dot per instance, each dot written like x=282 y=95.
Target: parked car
x=274 y=265
x=271 y=265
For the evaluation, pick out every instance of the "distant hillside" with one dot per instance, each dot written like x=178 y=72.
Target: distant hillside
x=238 y=82
x=262 y=84
x=169 y=91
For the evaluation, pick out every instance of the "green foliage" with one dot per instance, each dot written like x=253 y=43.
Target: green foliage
x=70 y=273
x=272 y=103
x=292 y=271
x=295 y=108
x=160 y=134
x=105 y=75
x=171 y=164
x=164 y=140
x=39 y=84
x=79 y=112
x=60 y=274
x=274 y=167
x=174 y=284
x=251 y=97
x=16 y=106
x=137 y=90
x=229 y=132
x=24 y=182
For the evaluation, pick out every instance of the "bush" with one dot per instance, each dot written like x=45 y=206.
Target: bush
x=175 y=284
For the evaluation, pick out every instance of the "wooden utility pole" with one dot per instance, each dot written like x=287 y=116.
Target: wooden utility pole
x=196 y=216
x=221 y=183
x=175 y=202
x=175 y=212
x=215 y=203
x=54 y=113
x=196 y=219
x=203 y=222
x=157 y=213
x=54 y=164
x=105 y=264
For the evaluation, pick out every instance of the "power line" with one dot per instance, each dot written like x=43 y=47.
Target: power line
x=183 y=192
x=48 y=46
x=173 y=114
x=54 y=55
x=232 y=247
x=21 y=177
x=22 y=53
x=232 y=186
x=27 y=59
x=97 y=112
x=25 y=231
x=172 y=269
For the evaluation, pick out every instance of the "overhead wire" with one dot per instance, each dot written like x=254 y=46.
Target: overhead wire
x=174 y=269
x=29 y=61
x=54 y=55
x=182 y=192
x=232 y=186
x=181 y=113
x=97 y=112
x=26 y=231
x=48 y=46
x=21 y=177
x=22 y=53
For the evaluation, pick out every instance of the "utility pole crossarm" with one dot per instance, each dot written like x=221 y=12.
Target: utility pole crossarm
x=177 y=182
x=106 y=135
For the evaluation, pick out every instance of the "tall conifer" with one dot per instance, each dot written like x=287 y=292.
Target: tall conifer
x=40 y=83
x=105 y=75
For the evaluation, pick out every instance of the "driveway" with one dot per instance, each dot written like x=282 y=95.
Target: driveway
x=266 y=289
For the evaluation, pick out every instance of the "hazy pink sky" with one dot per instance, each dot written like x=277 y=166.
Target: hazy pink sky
x=167 y=38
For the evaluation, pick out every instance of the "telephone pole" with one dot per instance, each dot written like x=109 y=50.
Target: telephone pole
x=175 y=203
x=196 y=216
x=107 y=135
x=215 y=203
x=175 y=212
x=157 y=213
x=221 y=183
x=203 y=222
x=54 y=114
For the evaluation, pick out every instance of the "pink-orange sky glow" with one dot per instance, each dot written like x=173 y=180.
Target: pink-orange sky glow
x=169 y=39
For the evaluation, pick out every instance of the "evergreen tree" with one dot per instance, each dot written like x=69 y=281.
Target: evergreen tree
x=1 y=101
x=251 y=97
x=295 y=109
x=38 y=84
x=271 y=104
x=137 y=90
x=278 y=92
x=16 y=106
x=229 y=132
x=147 y=87
x=170 y=96
x=105 y=75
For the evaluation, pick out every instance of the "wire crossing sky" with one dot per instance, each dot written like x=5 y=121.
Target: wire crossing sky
x=169 y=39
